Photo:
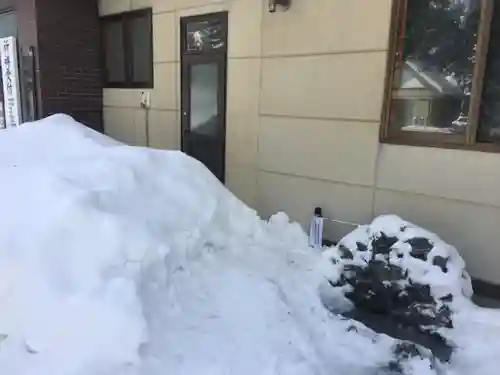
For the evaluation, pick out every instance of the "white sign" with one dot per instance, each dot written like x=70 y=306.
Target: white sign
x=10 y=80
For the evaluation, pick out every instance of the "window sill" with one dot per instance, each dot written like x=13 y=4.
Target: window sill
x=438 y=143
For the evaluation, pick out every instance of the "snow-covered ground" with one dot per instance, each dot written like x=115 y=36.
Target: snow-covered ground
x=117 y=260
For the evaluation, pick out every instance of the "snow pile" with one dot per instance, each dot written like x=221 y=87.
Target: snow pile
x=122 y=260
x=394 y=267
x=394 y=270
x=422 y=255
x=117 y=260
x=404 y=281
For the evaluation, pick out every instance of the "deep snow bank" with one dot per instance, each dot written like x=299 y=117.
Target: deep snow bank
x=129 y=261
x=122 y=260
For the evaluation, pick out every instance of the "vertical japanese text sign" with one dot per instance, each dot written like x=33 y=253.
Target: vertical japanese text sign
x=10 y=78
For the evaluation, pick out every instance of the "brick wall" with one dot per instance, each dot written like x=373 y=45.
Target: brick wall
x=6 y=4
x=69 y=56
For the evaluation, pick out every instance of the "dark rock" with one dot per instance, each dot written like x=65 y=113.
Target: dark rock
x=345 y=253
x=350 y=272
x=426 y=316
x=447 y=298
x=440 y=262
x=340 y=282
x=382 y=244
x=443 y=317
x=420 y=293
x=385 y=272
x=395 y=367
x=387 y=300
x=420 y=243
x=361 y=246
x=420 y=247
x=328 y=243
x=352 y=328
x=406 y=350
x=419 y=254
x=385 y=324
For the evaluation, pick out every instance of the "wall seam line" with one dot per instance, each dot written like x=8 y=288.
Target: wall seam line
x=456 y=200
x=320 y=179
x=259 y=123
x=325 y=53
x=221 y=2
x=319 y=118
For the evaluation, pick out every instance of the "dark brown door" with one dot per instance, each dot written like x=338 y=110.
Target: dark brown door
x=203 y=89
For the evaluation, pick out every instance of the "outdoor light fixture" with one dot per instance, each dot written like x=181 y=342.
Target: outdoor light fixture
x=273 y=4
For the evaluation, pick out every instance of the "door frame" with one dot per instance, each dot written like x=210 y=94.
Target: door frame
x=188 y=59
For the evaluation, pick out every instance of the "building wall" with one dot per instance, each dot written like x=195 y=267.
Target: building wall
x=124 y=118
x=69 y=56
x=25 y=13
x=305 y=91
x=66 y=38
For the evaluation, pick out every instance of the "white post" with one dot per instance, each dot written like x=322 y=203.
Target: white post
x=316 y=229
x=10 y=79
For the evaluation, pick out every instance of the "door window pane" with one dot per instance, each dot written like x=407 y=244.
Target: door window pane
x=205 y=36
x=115 y=52
x=141 y=50
x=204 y=94
x=434 y=66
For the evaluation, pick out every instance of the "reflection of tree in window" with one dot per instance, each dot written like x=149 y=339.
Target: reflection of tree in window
x=489 y=121
x=435 y=65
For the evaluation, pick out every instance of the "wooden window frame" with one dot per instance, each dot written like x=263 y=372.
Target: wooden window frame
x=465 y=141
x=125 y=20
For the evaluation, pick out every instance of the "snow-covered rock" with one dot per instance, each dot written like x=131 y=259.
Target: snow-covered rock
x=394 y=270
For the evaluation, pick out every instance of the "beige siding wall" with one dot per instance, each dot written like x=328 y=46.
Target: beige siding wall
x=321 y=96
x=305 y=94
x=124 y=119
x=454 y=193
